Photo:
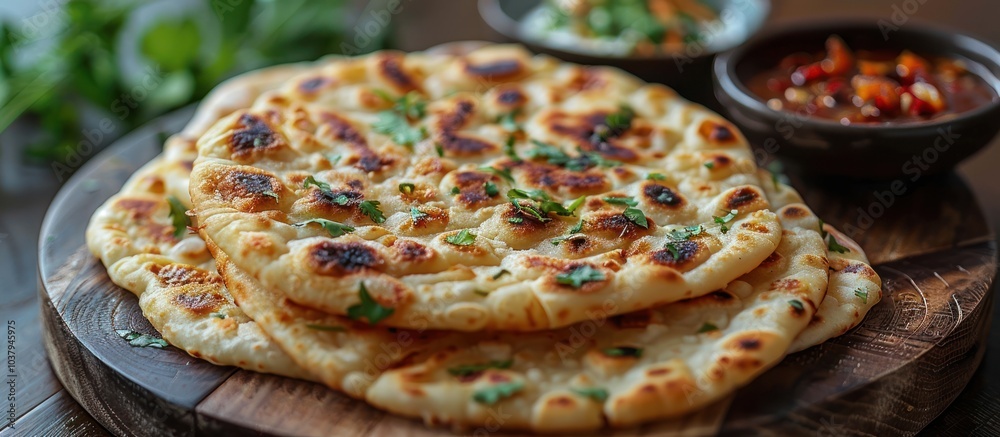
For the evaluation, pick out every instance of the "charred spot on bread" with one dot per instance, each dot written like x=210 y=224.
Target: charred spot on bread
x=138 y=209
x=683 y=252
x=716 y=132
x=251 y=135
x=462 y=145
x=390 y=68
x=496 y=70
x=741 y=197
x=544 y=175
x=199 y=301
x=510 y=97
x=309 y=86
x=662 y=195
x=412 y=251
x=336 y=259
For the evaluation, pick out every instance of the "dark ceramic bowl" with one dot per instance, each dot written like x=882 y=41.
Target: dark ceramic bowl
x=689 y=73
x=821 y=146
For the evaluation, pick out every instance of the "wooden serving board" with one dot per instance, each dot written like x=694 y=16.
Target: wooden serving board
x=892 y=375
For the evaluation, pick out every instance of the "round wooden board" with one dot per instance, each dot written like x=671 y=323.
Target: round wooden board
x=892 y=375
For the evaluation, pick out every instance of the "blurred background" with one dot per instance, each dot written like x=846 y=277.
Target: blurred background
x=75 y=75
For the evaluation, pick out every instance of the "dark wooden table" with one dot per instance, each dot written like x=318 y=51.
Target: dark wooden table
x=42 y=406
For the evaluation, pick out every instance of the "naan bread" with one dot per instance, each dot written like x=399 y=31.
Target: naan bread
x=854 y=286
x=444 y=247
x=612 y=370
x=175 y=279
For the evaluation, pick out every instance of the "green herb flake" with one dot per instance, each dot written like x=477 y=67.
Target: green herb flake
x=709 y=165
x=707 y=327
x=508 y=148
x=656 y=177
x=504 y=173
x=725 y=219
x=407 y=188
x=859 y=292
x=178 y=213
x=595 y=393
x=334 y=159
x=333 y=228
x=516 y=220
x=508 y=121
x=481 y=292
x=580 y=275
x=491 y=189
x=456 y=190
x=493 y=394
x=398 y=129
x=416 y=214
x=577 y=228
x=500 y=274
x=822 y=232
x=218 y=315
x=796 y=304
x=463 y=238
x=469 y=369
x=635 y=215
x=136 y=339
x=672 y=248
x=629 y=201
x=327 y=328
x=439 y=149
x=835 y=246
x=686 y=232
x=368 y=308
x=623 y=351
x=322 y=186
x=370 y=208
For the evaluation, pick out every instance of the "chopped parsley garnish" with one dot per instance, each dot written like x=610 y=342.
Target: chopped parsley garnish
x=595 y=393
x=505 y=173
x=456 y=190
x=515 y=220
x=656 y=177
x=270 y=193
x=493 y=394
x=407 y=188
x=481 y=292
x=136 y=339
x=501 y=273
x=706 y=327
x=327 y=328
x=796 y=304
x=468 y=369
x=686 y=232
x=218 y=315
x=323 y=186
x=368 y=308
x=544 y=202
x=410 y=105
x=557 y=156
x=508 y=148
x=726 y=219
x=178 y=213
x=623 y=351
x=439 y=149
x=615 y=124
x=333 y=228
x=580 y=275
x=621 y=201
x=859 y=292
x=822 y=232
x=340 y=199
x=835 y=246
x=672 y=248
x=635 y=215
x=576 y=229
x=398 y=128
x=417 y=214
x=463 y=238
x=335 y=159
x=508 y=121
x=370 y=208
x=709 y=165
x=491 y=189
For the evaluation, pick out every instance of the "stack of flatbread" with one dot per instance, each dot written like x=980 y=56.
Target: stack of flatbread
x=442 y=236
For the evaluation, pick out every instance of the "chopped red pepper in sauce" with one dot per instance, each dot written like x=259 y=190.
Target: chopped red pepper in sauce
x=871 y=86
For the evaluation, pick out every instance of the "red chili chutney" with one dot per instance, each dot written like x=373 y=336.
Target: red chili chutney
x=871 y=86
